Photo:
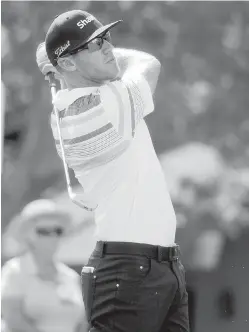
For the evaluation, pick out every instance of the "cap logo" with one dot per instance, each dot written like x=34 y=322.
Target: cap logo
x=62 y=48
x=84 y=22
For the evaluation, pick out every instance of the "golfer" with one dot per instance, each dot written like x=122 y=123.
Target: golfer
x=134 y=280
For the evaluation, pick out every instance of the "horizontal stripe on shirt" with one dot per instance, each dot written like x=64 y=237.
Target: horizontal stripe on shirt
x=100 y=159
x=103 y=143
x=98 y=144
x=87 y=136
x=87 y=152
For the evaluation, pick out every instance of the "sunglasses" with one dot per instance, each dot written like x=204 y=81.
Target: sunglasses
x=95 y=44
x=55 y=231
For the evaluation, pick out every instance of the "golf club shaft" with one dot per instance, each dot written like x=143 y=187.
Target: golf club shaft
x=52 y=85
x=80 y=203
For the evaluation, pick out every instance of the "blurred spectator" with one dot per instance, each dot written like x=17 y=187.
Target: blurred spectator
x=38 y=292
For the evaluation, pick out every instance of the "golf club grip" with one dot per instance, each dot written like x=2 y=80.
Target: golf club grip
x=51 y=79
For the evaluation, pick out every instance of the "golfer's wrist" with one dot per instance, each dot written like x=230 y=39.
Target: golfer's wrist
x=128 y=59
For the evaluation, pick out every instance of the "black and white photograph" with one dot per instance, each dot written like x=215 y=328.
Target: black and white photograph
x=124 y=166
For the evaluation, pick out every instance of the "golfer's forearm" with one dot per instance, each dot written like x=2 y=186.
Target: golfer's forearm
x=131 y=61
x=128 y=59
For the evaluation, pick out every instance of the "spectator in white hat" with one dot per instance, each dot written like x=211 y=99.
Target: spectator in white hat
x=38 y=292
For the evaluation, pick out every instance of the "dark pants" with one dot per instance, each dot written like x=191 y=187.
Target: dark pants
x=135 y=288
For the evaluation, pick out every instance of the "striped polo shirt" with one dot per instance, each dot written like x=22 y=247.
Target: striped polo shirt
x=108 y=145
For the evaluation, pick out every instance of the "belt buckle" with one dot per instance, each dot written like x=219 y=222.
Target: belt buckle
x=174 y=253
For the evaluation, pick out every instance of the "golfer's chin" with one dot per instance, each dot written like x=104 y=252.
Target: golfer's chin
x=113 y=70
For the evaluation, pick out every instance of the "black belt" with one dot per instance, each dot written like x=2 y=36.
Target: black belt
x=128 y=248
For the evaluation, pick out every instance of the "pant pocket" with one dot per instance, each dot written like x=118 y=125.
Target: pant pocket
x=131 y=276
x=88 y=281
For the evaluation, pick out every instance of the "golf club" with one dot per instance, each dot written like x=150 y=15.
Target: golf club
x=79 y=199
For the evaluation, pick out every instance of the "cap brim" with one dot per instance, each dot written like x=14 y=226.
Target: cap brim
x=103 y=29
x=99 y=32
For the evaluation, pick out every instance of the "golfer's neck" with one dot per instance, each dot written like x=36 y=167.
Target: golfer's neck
x=80 y=82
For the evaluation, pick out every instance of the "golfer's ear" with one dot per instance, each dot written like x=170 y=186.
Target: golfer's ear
x=66 y=64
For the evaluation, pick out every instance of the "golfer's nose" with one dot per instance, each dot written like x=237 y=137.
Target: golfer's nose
x=107 y=47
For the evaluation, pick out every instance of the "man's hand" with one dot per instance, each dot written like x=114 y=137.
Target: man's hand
x=43 y=62
x=45 y=65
